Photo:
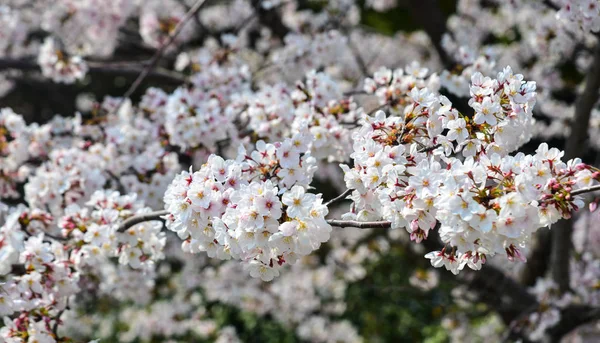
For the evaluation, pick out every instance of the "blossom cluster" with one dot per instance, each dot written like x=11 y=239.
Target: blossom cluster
x=159 y=20
x=255 y=208
x=277 y=112
x=57 y=65
x=585 y=13
x=292 y=98
x=14 y=141
x=55 y=264
x=486 y=204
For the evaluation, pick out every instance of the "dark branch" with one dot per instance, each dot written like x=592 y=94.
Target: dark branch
x=123 y=69
x=339 y=197
x=360 y=225
x=561 y=235
x=586 y=190
x=157 y=56
x=141 y=218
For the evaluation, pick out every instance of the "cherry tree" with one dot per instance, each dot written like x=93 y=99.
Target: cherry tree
x=264 y=152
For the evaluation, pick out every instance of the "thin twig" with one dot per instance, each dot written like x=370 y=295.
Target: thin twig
x=157 y=56
x=362 y=66
x=430 y=148
x=360 y=225
x=586 y=190
x=355 y=92
x=146 y=217
x=378 y=108
x=57 y=319
x=339 y=197
x=117 y=182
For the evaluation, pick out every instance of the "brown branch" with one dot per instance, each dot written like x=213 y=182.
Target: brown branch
x=570 y=318
x=57 y=319
x=339 y=197
x=360 y=225
x=551 y=5
x=586 y=190
x=430 y=148
x=116 y=68
x=158 y=55
x=141 y=218
x=575 y=145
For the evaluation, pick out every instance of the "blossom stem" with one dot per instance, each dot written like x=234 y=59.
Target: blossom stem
x=146 y=217
x=158 y=215
x=430 y=148
x=586 y=190
x=339 y=197
x=360 y=225
x=154 y=60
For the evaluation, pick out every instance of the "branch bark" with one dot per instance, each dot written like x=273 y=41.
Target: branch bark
x=130 y=68
x=146 y=217
x=191 y=13
x=339 y=197
x=561 y=235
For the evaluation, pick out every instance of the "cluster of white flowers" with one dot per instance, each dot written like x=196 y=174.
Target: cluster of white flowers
x=195 y=109
x=277 y=112
x=55 y=264
x=548 y=313
x=139 y=246
x=255 y=209
x=424 y=280
x=418 y=164
x=320 y=330
x=90 y=27
x=57 y=65
x=487 y=204
x=158 y=21
x=583 y=13
x=14 y=142
x=12 y=28
x=309 y=51
x=382 y=5
x=393 y=87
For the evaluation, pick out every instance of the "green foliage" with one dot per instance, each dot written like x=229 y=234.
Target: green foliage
x=250 y=327
x=386 y=308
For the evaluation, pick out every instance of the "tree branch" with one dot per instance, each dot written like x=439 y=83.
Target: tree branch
x=586 y=190
x=339 y=197
x=561 y=235
x=157 y=56
x=124 y=69
x=360 y=225
x=141 y=218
